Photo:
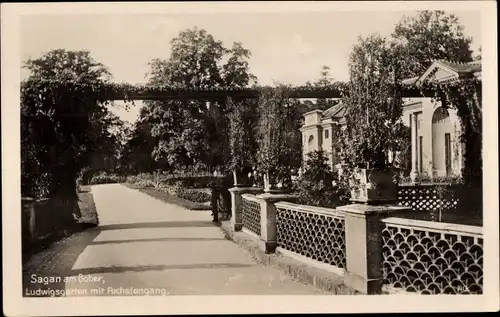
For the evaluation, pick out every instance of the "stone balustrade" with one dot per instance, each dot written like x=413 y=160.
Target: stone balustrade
x=432 y=258
x=373 y=251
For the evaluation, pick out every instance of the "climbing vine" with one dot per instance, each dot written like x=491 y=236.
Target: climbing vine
x=464 y=95
x=62 y=123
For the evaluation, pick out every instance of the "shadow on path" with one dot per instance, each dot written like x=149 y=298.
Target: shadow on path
x=144 y=268
x=44 y=275
x=54 y=264
x=155 y=240
x=164 y=224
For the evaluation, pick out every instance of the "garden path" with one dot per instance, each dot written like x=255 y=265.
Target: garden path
x=142 y=243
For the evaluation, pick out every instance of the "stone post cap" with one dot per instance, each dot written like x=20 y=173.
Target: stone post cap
x=28 y=200
x=270 y=197
x=362 y=209
x=245 y=189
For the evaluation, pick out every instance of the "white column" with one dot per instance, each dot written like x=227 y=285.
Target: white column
x=414 y=147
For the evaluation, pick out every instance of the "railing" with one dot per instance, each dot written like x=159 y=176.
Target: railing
x=405 y=255
x=432 y=258
x=251 y=213
x=428 y=197
x=313 y=232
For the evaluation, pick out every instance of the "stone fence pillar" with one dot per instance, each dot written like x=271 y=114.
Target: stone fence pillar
x=268 y=237
x=28 y=209
x=236 y=204
x=363 y=242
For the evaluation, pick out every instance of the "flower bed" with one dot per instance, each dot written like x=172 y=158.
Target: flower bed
x=169 y=198
x=194 y=195
x=190 y=191
x=106 y=178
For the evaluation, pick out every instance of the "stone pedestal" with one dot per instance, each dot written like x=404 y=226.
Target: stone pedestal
x=363 y=242
x=268 y=237
x=374 y=187
x=236 y=204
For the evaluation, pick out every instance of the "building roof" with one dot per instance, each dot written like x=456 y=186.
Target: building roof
x=335 y=112
x=462 y=68
x=455 y=70
x=410 y=81
x=458 y=69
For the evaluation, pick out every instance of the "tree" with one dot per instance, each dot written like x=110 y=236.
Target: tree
x=278 y=136
x=235 y=71
x=189 y=133
x=433 y=35
x=478 y=56
x=64 y=118
x=243 y=120
x=428 y=36
x=324 y=81
x=138 y=149
x=374 y=105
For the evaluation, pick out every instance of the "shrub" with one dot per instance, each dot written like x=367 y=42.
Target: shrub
x=85 y=176
x=192 y=181
x=429 y=178
x=182 y=180
x=105 y=178
x=195 y=196
x=173 y=188
x=141 y=180
x=176 y=189
x=319 y=185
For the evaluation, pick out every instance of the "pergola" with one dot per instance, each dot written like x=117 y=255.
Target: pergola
x=145 y=93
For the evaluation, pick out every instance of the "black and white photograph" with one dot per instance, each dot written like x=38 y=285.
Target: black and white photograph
x=160 y=152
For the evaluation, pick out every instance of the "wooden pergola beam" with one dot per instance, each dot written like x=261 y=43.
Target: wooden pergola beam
x=210 y=95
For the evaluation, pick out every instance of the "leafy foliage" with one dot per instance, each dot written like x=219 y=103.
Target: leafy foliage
x=243 y=120
x=428 y=36
x=433 y=35
x=278 y=137
x=403 y=156
x=188 y=132
x=106 y=178
x=136 y=153
x=195 y=196
x=319 y=185
x=324 y=82
x=64 y=119
x=465 y=96
x=373 y=117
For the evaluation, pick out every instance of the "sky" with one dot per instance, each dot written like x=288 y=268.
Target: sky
x=288 y=47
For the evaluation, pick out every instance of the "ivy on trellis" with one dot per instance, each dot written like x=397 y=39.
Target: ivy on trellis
x=464 y=95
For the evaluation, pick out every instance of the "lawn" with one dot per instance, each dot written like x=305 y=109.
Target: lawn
x=87 y=207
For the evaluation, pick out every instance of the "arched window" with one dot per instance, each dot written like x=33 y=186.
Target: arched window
x=440 y=115
x=311 y=139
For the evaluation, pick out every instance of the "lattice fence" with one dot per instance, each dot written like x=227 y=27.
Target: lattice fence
x=432 y=261
x=313 y=234
x=251 y=215
x=428 y=197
